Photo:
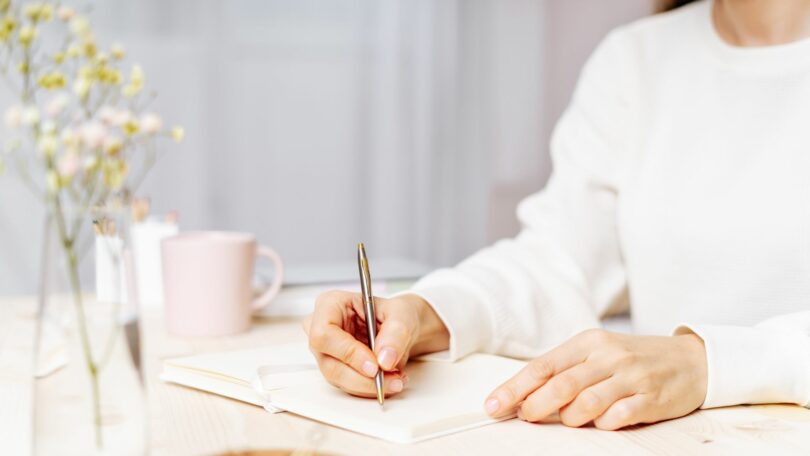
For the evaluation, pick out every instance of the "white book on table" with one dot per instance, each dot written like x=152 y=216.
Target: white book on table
x=441 y=397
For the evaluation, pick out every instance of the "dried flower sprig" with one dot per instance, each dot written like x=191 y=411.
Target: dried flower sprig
x=81 y=111
x=81 y=133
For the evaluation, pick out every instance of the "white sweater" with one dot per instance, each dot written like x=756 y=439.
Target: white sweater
x=681 y=187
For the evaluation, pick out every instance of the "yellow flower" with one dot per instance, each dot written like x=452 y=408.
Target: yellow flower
x=74 y=51
x=46 y=13
x=32 y=11
x=69 y=139
x=109 y=75
x=113 y=145
x=115 y=173
x=136 y=81
x=86 y=72
x=47 y=144
x=27 y=35
x=52 y=181
x=58 y=58
x=38 y=12
x=23 y=67
x=130 y=127
x=80 y=26
x=52 y=81
x=4 y=5
x=90 y=48
x=178 y=133
x=136 y=75
x=7 y=27
x=117 y=51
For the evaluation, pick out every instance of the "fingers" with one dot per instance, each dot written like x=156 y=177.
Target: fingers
x=506 y=397
x=328 y=336
x=594 y=401
x=561 y=389
x=338 y=344
x=336 y=330
x=397 y=333
x=345 y=378
x=624 y=412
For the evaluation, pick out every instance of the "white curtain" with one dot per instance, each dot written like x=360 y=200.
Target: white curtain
x=412 y=125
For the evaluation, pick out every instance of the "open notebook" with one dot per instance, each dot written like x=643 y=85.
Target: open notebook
x=441 y=397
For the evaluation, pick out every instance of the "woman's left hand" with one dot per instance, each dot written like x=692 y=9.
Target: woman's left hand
x=614 y=380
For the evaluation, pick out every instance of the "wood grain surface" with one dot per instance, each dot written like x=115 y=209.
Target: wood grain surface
x=183 y=421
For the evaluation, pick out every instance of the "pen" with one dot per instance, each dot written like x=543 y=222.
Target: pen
x=371 y=316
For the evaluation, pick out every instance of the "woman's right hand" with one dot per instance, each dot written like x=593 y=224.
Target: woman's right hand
x=337 y=333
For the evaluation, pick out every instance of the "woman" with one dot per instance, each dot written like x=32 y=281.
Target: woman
x=681 y=189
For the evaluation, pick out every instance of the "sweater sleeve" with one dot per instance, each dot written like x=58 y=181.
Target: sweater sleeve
x=766 y=363
x=564 y=269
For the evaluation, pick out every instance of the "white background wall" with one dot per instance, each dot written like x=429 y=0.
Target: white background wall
x=433 y=115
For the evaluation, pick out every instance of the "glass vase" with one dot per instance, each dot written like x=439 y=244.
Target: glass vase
x=89 y=396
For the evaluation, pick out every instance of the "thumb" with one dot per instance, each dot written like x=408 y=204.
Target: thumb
x=396 y=335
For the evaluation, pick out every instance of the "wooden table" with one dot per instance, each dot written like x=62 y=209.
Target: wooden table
x=184 y=421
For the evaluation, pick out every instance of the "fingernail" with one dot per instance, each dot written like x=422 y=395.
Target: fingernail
x=369 y=368
x=405 y=379
x=387 y=358
x=492 y=405
x=396 y=385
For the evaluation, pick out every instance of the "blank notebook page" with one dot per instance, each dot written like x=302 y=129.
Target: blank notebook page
x=440 y=398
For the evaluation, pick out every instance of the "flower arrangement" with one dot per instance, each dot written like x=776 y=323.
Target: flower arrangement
x=81 y=132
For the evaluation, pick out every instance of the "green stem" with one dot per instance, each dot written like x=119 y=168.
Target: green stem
x=73 y=272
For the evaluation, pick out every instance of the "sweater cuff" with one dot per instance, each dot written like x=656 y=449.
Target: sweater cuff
x=459 y=309
x=749 y=365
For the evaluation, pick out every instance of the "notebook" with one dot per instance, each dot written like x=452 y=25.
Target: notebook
x=441 y=397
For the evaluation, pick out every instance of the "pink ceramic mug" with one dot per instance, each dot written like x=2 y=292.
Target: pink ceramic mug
x=207 y=280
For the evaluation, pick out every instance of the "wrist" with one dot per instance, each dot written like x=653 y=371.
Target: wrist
x=432 y=335
x=696 y=348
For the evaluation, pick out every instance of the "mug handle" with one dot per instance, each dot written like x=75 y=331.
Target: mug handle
x=263 y=300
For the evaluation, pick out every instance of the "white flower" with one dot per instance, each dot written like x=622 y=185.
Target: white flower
x=12 y=144
x=13 y=116
x=121 y=117
x=48 y=127
x=90 y=162
x=68 y=164
x=151 y=123
x=93 y=134
x=56 y=106
x=81 y=87
x=47 y=144
x=30 y=115
x=107 y=114
x=65 y=13
x=69 y=138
